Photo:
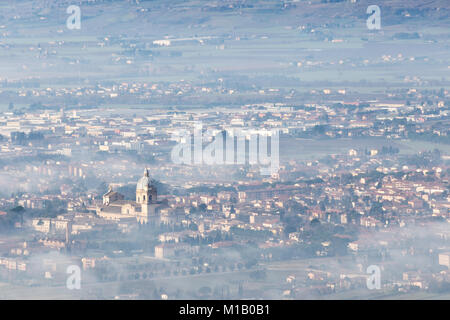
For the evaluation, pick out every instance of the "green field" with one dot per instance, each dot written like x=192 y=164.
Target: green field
x=310 y=149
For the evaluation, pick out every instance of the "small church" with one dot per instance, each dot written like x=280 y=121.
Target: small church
x=145 y=209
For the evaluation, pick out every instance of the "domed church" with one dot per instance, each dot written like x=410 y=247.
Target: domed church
x=144 y=209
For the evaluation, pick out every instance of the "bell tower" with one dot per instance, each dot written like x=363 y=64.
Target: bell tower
x=146 y=194
x=143 y=189
x=153 y=194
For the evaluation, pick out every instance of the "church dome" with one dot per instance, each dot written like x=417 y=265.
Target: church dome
x=144 y=182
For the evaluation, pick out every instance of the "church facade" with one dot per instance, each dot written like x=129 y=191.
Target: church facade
x=145 y=209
